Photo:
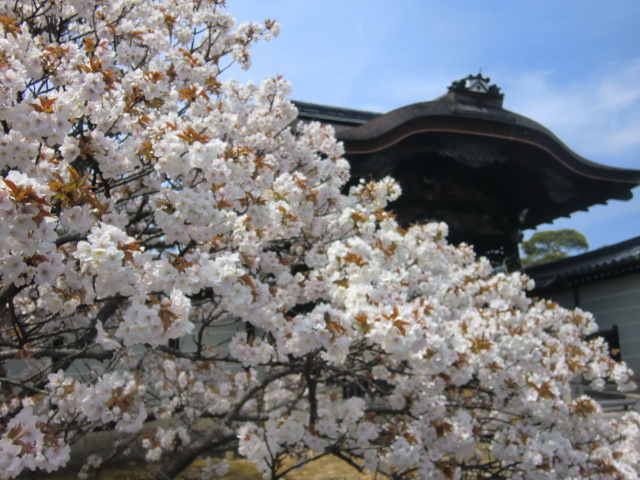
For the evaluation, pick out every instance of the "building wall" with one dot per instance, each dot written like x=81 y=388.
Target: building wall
x=613 y=301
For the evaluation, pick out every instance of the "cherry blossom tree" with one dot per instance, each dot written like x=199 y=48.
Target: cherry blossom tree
x=181 y=262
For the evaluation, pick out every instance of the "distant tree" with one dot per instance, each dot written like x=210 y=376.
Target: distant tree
x=553 y=245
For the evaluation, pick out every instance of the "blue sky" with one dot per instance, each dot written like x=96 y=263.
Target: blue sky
x=573 y=66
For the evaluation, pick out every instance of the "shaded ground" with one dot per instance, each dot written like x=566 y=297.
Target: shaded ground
x=327 y=468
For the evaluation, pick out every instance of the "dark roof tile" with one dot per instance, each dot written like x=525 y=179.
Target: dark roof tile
x=604 y=262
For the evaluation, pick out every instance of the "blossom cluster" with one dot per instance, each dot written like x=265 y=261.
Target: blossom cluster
x=175 y=245
x=114 y=397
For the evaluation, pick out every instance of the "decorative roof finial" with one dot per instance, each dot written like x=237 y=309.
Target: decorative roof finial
x=478 y=88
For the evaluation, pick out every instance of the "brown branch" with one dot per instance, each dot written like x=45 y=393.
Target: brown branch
x=193 y=356
x=70 y=237
x=55 y=353
x=108 y=309
x=313 y=401
x=217 y=436
x=283 y=473
x=13 y=383
x=6 y=294
x=231 y=416
x=336 y=452
x=214 y=438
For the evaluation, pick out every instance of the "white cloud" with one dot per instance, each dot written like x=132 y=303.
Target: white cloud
x=598 y=117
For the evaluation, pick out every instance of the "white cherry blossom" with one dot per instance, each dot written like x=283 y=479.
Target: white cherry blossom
x=175 y=245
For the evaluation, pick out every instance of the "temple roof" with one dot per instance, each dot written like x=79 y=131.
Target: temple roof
x=473 y=113
x=337 y=116
x=464 y=159
x=605 y=262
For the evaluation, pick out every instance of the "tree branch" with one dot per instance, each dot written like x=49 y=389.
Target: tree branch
x=55 y=353
x=231 y=416
x=6 y=294
x=214 y=438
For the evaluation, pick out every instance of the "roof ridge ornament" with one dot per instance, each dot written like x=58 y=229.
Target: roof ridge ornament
x=476 y=89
